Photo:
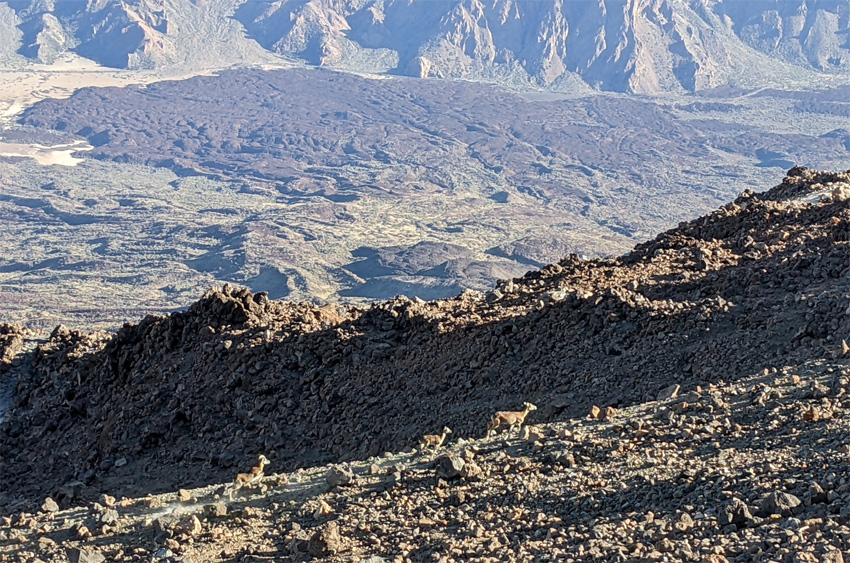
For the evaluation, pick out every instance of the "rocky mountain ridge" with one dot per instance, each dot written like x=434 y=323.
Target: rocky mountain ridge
x=640 y=46
x=757 y=284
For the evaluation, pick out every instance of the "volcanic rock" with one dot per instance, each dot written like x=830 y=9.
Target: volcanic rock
x=735 y=512
x=779 y=502
x=326 y=541
x=76 y=555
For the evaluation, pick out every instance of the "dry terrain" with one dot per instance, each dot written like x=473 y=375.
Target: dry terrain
x=691 y=393
x=331 y=187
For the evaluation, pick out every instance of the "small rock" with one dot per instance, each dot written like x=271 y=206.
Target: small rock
x=187 y=524
x=49 y=506
x=679 y=408
x=458 y=498
x=172 y=544
x=163 y=553
x=470 y=469
x=45 y=543
x=336 y=477
x=323 y=511
x=595 y=412
x=811 y=415
x=735 y=512
x=668 y=393
x=326 y=541
x=70 y=491
x=448 y=466
x=841 y=192
x=77 y=555
x=815 y=494
x=493 y=296
x=779 y=503
x=832 y=556
x=535 y=435
x=215 y=510
x=109 y=516
x=151 y=502
x=184 y=495
x=374 y=469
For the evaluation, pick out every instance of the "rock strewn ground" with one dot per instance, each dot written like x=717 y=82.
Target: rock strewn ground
x=181 y=400
x=742 y=471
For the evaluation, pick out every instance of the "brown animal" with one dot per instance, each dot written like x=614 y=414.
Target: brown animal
x=434 y=440
x=249 y=479
x=510 y=418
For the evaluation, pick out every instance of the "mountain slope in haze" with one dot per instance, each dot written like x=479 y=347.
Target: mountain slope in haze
x=641 y=46
x=759 y=283
x=137 y=34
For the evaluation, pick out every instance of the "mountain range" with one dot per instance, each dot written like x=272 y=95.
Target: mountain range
x=638 y=46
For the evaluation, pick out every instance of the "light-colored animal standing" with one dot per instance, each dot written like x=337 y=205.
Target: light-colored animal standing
x=249 y=479
x=510 y=418
x=434 y=440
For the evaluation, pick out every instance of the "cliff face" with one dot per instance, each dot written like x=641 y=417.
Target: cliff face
x=809 y=33
x=641 y=46
x=130 y=34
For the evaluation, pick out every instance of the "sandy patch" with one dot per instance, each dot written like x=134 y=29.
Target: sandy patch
x=57 y=155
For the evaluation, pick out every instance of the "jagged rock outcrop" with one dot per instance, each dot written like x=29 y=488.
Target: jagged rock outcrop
x=11 y=341
x=758 y=283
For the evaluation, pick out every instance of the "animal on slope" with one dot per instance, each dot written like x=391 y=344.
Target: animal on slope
x=249 y=479
x=434 y=440
x=510 y=418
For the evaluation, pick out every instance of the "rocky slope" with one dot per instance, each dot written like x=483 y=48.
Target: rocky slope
x=752 y=470
x=642 y=46
x=182 y=400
